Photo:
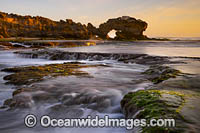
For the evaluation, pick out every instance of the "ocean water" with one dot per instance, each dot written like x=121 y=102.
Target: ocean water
x=157 y=48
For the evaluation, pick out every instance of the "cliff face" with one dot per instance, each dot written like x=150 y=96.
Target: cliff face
x=12 y=25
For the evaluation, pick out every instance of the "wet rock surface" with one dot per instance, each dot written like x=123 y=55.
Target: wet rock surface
x=71 y=87
x=158 y=74
x=8 y=45
x=61 y=55
x=43 y=44
x=155 y=104
x=175 y=98
x=28 y=75
x=53 y=54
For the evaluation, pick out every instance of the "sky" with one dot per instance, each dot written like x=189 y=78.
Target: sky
x=165 y=18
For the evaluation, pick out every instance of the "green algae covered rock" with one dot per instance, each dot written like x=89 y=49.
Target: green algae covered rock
x=158 y=74
x=155 y=104
x=31 y=74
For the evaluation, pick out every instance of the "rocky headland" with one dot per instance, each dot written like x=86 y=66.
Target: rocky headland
x=13 y=25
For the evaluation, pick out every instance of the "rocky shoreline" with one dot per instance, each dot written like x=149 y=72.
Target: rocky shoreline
x=39 y=44
x=53 y=54
x=164 y=102
x=170 y=96
x=24 y=76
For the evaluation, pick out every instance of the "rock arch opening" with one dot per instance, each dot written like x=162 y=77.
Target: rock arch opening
x=112 y=34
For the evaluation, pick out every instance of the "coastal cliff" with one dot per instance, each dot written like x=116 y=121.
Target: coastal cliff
x=12 y=25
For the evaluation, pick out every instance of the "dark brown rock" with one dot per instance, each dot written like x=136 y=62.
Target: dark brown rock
x=127 y=28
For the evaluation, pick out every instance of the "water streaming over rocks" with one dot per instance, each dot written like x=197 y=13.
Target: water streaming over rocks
x=72 y=96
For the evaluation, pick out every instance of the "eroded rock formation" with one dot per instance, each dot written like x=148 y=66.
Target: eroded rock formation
x=12 y=25
x=127 y=28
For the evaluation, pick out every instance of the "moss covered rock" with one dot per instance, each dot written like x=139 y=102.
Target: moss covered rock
x=158 y=74
x=28 y=75
x=155 y=104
